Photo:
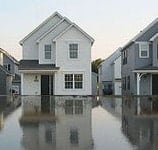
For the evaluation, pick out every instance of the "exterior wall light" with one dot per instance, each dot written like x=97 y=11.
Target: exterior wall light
x=36 y=79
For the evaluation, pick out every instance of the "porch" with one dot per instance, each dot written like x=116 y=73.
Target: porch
x=151 y=75
x=37 y=79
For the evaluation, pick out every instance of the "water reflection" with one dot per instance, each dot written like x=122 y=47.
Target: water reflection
x=80 y=123
x=7 y=106
x=140 y=121
x=61 y=123
x=112 y=105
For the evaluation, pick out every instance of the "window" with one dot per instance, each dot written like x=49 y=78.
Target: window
x=73 y=50
x=68 y=107
x=143 y=50
x=78 y=81
x=47 y=49
x=68 y=81
x=124 y=83
x=8 y=67
x=78 y=107
x=124 y=56
x=73 y=81
x=157 y=51
x=128 y=82
x=48 y=135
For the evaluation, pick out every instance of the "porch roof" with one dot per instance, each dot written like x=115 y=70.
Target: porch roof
x=147 y=69
x=33 y=65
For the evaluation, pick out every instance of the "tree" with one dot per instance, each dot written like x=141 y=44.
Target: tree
x=95 y=64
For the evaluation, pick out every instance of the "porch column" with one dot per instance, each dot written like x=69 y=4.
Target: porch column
x=138 y=83
x=139 y=75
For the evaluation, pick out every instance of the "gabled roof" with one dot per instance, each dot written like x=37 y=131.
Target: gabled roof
x=116 y=54
x=78 y=28
x=60 y=34
x=51 y=29
x=11 y=57
x=42 y=24
x=140 y=34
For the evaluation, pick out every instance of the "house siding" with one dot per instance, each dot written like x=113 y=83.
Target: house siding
x=6 y=61
x=29 y=86
x=148 y=34
x=30 y=46
x=82 y=64
x=155 y=52
x=48 y=40
x=3 y=89
x=141 y=62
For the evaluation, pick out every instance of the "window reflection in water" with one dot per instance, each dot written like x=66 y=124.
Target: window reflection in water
x=73 y=107
x=74 y=136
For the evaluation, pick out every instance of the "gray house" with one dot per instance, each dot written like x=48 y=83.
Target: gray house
x=140 y=63
x=9 y=77
x=109 y=74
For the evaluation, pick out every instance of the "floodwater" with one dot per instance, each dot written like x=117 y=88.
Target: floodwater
x=78 y=123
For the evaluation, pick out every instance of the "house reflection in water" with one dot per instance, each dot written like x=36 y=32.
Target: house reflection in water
x=7 y=106
x=62 y=123
x=112 y=105
x=140 y=121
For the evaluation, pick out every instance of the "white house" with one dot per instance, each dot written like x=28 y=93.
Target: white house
x=109 y=74
x=56 y=59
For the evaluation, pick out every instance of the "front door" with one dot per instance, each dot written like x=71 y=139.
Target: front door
x=155 y=84
x=46 y=85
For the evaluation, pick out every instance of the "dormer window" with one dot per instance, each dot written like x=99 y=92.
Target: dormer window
x=143 y=50
x=47 y=49
x=73 y=51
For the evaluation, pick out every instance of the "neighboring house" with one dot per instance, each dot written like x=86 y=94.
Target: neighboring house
x=109 y=73
x=56 y=59
x=8 y=73
x=140 y=63
x=94 y=83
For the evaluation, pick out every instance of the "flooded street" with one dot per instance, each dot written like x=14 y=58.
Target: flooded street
x=79 y=123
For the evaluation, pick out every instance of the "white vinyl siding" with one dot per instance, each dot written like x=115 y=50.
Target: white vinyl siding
x=47 y=49
x=143 y=50
x=73 y=51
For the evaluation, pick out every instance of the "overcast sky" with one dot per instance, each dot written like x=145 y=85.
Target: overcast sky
x=110 y=22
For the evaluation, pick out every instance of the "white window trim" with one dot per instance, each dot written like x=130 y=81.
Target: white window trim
x=140 y=43
x=74 y=89
x=73 y=42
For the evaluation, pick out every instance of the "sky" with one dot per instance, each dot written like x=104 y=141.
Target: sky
x=112 y=23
